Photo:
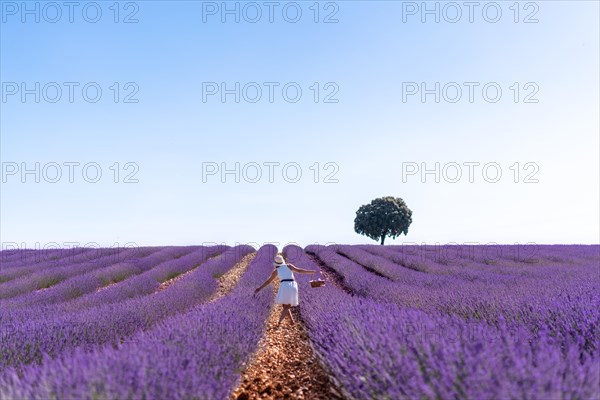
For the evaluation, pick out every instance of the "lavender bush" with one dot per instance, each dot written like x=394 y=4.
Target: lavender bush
x=380 y=349
x=30 y=338
x=439 y=322
x=50 y=259
x=196 y=355
x=562 y=298
x=45 y=278
x=100 y=278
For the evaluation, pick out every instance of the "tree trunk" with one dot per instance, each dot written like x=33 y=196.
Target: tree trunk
x=382 y=239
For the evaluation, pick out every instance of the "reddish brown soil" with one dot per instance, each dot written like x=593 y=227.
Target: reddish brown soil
x=285 y=366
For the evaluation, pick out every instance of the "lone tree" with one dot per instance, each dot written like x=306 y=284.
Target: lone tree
x=385 y=216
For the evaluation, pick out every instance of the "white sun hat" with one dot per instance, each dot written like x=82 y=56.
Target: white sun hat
x=279 y=259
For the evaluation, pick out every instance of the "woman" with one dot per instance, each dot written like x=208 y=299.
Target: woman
x=288 y=288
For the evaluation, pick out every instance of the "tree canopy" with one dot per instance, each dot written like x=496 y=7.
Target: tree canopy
x=383 y=217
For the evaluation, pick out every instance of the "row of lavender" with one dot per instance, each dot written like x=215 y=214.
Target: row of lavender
x=400 y=330
x=28 y=258
x=87 y=283
x=10 y=271
x=197 y=354
x=552 y=295
x=117 y=312
x=54 y=270
x=38 y=277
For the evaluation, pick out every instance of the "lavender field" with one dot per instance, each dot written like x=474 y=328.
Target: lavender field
x=392 y=322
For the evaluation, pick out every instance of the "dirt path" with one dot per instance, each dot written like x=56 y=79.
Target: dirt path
x=225 y=283
x=101 y=288
x=285 y=366
x=229 y=279
x=330 y=275
x=174 y=280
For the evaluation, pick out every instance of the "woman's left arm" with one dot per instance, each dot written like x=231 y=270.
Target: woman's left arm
x=300 y=270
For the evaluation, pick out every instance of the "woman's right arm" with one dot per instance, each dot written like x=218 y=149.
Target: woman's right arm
x=271 y=278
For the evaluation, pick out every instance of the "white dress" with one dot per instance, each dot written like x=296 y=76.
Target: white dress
x=288 y=291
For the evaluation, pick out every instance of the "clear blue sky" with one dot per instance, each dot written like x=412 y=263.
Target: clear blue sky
x=370 y=133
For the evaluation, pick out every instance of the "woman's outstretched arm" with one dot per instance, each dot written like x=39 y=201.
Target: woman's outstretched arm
x=300 y=270
x=271 y=278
